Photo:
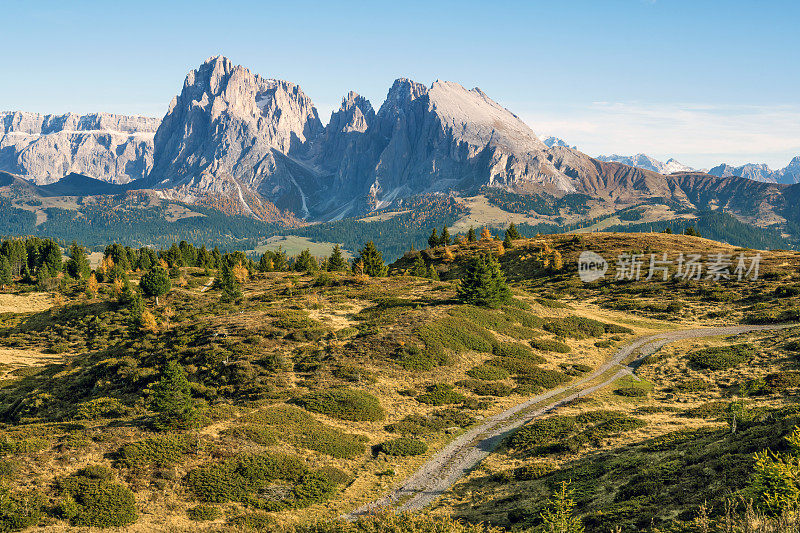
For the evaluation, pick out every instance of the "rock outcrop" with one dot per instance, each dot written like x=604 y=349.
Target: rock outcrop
x=44 y=148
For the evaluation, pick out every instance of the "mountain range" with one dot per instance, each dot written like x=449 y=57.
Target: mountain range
x=254 y=146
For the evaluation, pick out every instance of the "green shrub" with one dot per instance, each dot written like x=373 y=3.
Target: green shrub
x=541 y=432
x=529 y=374
x=550 y=345
x=533 y=471
x=673 y=439
x=441 y=394
x=404 y=447
x=100 y=408
x=299 y=428
x=263 y=435
x=692 y=385
x=575 y=326
x=245 y=479
x=163 y=450
x=9 y=445
x=517 y=350
x=203 y=512
x=487 y=372
x=20 y=510
x=415 y=358
x=717 y=409
x=252 y=522
x=631 y=391
x=345 y=404
x=454 y=334
x=438 y=420
x=780 y=381
x=491 y=389
x=722 y=357
x=96 y=502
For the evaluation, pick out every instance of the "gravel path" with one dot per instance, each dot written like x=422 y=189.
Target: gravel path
x=469 y=449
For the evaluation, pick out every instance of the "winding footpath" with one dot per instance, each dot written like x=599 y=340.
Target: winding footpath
x=466 y=451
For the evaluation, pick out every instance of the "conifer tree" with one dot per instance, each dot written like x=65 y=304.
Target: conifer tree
x=433 y=240
x=92 y=287
x=373 y=261
x=305 y=262
x=265 y=264
x=432 y=273
x=559 y=517
x=419 y=269
x=471 y=237
x=135 y=310
x=445 y=240
x=78 y=263
x=337 y=262
x=155 y=283
x=512 y=231
x=483 y=283
x=507 y=242
x=5 y=272
x=171 y=399
x=227 y=283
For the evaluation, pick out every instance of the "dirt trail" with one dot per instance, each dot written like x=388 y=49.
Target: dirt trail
x=469 y=449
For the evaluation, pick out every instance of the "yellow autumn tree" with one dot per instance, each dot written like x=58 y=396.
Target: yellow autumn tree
x=148 y=322
x=500 y=249
x=92 y=287
x=448 y=255
x=118 y=287
x=557 y=262
x=240 y=273
x=486 y=235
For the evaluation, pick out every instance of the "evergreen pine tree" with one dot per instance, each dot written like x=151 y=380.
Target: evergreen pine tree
x=507 y=242
x=483 y=283
x=445 y=240
x=433 y=240
x=155 y=283
x=265 y=264
x=227 y=283
x=135 y=311
x=432 y=273
x=171 y=399
x=5 y=272
x=78 y=263
x=337 y=262
x=512 y=232
x=373 y=261
x=559 y=516
x=305 y=262
x=471 y=237
x=419 y=269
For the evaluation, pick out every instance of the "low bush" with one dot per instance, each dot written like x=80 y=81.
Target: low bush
x=529 y=374
x=631 y=391
x=299 y=428
x=345 y=404
x=246 y=479
x=517 y=350
x=20 y=509
x=532 y=471
x=415 y=358
x=491 y=389
x=692 y=385
x=9 y=445
x=441 y=394
x=541 y=432
x=575 y=326
x=203 y=512
x=550 y=345
x=722 y=357
x=438 y=420
x=163 y=450
x=96 y=502
x=487 y=373
x=404 y=447
x=100 y=408
x=780 y=381
x=717 y=409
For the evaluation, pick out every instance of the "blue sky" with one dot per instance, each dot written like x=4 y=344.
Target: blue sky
x=700 y=81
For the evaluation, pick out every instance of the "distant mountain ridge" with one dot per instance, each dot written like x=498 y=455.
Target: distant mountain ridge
x=244 y=144
x=45 y=148
x=761 y=172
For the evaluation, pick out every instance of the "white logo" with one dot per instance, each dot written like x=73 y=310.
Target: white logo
x=591 y=266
